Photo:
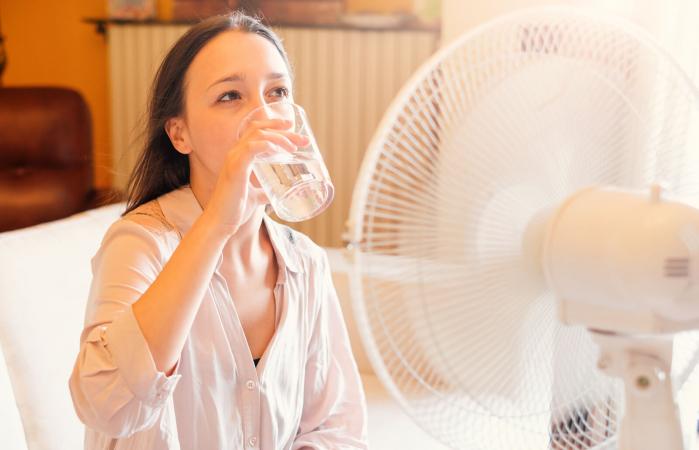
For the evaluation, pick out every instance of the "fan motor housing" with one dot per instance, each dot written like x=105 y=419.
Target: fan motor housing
x=623 y=261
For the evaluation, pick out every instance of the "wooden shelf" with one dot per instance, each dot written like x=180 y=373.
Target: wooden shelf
x=101 y=24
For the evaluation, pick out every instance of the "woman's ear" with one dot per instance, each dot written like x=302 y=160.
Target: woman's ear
x=176 y=130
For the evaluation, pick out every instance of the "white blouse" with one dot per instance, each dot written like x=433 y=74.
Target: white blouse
x=305 y=393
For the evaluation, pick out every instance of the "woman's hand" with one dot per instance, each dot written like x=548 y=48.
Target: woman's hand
x=234 y=197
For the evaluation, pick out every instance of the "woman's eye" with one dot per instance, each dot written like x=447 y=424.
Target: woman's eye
x=229 y=96
x=281 y=92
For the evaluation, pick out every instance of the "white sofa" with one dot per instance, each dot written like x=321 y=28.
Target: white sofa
x=44 y=280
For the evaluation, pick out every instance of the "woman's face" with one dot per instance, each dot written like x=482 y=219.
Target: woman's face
x=231 y=75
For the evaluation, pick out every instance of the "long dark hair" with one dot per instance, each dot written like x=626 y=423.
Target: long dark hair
x=160 y=167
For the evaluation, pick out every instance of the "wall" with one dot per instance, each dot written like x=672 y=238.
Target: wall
x=47 y=43
x=671 y=22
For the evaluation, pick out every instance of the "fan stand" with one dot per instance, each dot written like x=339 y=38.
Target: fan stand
x=651 y=420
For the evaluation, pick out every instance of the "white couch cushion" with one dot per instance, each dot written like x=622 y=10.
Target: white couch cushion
x=44 y=281
x=10 y=424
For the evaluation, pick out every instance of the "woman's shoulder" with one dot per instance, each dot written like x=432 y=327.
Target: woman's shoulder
x=151 y=217
x=146 y=224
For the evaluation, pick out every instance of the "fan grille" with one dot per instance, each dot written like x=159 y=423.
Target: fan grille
x=509 y=121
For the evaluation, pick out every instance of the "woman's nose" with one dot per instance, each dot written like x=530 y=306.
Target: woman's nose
x=261 y=110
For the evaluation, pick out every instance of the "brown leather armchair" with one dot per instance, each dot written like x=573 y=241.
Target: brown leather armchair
x=45 y=156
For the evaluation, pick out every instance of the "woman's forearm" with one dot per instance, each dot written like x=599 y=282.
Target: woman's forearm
x=166 y=311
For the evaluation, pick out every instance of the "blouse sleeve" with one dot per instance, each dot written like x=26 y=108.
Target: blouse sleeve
x=115 y=386
x=334 y=409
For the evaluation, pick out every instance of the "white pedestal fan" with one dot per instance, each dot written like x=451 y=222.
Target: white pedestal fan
x=525 y=239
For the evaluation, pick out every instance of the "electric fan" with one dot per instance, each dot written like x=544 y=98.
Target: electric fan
x=525 y=241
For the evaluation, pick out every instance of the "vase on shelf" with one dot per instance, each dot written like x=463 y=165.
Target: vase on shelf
x=301 y=11
x=199 y=9
x=131 y=9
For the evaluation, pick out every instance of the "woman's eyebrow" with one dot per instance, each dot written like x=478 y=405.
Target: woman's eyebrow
x=241 y=77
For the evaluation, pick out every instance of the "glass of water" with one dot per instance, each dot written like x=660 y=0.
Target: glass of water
x=297 y=184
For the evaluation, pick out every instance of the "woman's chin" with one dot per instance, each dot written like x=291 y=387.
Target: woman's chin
x=256 y=211
x=254 y=181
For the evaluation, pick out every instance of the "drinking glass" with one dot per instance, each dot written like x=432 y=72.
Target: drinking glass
x=297 y=184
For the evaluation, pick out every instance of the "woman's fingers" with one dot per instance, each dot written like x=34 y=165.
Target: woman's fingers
x=263 y=137
x=265 y=147
x=256 y=125
x=271 y=123
x=275 y=126
x=299 y=140
x=289 y=141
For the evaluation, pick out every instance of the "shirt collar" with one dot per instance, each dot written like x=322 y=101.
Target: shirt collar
x=181 y=208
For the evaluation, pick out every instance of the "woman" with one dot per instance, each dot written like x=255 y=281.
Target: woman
x=210 y=326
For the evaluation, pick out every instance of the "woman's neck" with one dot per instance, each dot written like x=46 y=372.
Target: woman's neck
x=248 y=242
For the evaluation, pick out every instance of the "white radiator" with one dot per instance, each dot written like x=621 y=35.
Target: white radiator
x=345 y=79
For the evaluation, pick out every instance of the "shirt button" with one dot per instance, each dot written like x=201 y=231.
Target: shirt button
x=250 y=385
x=252 y=441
